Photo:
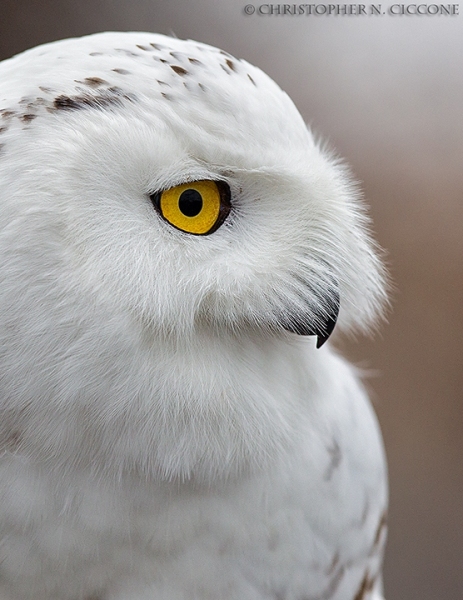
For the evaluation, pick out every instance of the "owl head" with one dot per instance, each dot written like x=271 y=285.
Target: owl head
x=180 y=187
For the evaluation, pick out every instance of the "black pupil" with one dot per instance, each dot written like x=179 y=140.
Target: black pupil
x=190 y=203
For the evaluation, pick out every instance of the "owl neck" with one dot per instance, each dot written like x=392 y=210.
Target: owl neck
x=214 y=407
x=207 y=409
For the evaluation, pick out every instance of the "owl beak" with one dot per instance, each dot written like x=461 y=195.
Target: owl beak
x=320 y=323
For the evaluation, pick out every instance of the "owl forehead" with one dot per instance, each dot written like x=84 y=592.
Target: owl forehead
x=180 y=81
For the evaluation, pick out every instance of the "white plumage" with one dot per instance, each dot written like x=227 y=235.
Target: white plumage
x=165 y=433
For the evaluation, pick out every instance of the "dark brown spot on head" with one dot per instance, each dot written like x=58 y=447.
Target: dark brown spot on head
x=28 y=117
x=47 y=90
x=179 y=70
x=157 y=46
x=202 y=87
x=225 y=53
x=96 y=54
x=7 y=114
x=166 y=96
x=67 y=103
x=26 y=100
x=162 y=82
x=113 y=96
x=195 y=61
x=251 y=79
x=145 y=48
x=93 y=81
x=231 y=64
x=122 y=71
x=3 y=129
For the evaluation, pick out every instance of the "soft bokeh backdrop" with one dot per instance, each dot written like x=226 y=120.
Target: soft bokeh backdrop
x=387 y=92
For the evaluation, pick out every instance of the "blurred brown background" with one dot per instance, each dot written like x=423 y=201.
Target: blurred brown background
x=387 y=92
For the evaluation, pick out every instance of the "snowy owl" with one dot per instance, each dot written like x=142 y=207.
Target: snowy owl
x=176 y=250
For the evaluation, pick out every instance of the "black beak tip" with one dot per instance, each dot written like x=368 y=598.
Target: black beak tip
x=322 y=336
x=321 y=325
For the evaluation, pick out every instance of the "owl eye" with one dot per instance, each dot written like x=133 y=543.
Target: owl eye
x=199 y=207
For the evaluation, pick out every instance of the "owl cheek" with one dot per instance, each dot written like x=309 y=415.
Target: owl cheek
x=319 y=321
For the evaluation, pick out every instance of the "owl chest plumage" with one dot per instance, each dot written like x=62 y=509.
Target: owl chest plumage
x=254 y=513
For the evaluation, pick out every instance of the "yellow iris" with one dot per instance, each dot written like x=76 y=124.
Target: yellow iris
x=199 y=207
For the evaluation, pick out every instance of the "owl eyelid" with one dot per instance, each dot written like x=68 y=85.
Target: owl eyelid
x=219 y=182
x=155 y=198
